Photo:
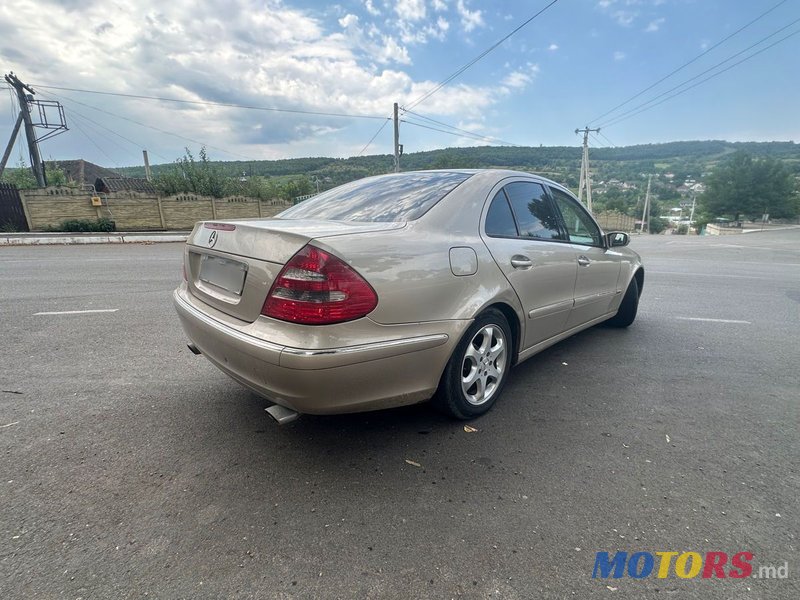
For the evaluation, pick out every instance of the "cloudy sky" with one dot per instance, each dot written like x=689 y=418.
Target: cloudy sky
x=577 y=61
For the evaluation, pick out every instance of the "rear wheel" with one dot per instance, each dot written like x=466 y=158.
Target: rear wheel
x=628 y=307
x=478 y=368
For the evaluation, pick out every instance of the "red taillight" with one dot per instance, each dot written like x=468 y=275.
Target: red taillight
x=317 y=288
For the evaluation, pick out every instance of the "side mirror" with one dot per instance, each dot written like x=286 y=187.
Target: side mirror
x=617 y=238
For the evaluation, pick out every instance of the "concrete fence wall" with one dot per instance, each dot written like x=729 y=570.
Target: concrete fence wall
x=133 y=211
x=615 y=221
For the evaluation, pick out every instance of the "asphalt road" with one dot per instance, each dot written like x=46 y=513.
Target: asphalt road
x=131 y=468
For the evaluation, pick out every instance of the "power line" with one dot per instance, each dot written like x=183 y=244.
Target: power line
x=633 y=112
x=463 y=68
x=74 y=112
x=372 y=139
x=491 y=138
x=158 y=129
x=686 y=64
x=463 y=133
x=601 y=134
x=88 y=137
x=210 y=103
x=597 y=141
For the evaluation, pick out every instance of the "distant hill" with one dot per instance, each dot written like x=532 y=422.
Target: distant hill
x=685 y=159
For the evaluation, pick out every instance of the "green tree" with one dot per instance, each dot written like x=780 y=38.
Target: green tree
x=746 y=186
x=54 y=174
x=21 y=176
x=191 y=175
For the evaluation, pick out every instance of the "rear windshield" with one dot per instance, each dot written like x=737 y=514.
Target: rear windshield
x=397 y=197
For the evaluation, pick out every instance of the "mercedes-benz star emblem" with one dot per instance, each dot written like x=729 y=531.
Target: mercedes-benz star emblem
x=212 y=239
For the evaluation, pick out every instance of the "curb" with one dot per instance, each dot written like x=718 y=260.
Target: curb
x=44 y=239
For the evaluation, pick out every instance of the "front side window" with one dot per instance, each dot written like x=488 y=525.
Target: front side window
x=533 y=211
x=396 y=197
x=580 y=226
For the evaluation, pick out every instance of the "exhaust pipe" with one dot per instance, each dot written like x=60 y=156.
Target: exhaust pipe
x=282 y=414
x=194 y=349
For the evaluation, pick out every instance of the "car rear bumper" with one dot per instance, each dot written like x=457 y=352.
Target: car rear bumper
x=325 y=380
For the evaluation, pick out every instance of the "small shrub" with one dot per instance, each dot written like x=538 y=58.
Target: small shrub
x=102 y=225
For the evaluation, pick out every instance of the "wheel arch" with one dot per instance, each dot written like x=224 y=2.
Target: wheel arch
x=639 y=276
x=513 y=322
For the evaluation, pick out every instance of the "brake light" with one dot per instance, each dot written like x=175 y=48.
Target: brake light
x=317 y=288
x=220 y=226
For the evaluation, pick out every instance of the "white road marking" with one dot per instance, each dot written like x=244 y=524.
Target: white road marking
x=724 y=276
x=737 y=321
x=77 y=312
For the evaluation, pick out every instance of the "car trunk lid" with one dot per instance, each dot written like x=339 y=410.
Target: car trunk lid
x=231 y=265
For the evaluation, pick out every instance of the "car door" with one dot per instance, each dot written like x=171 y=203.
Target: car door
x=598 y=268
x=523 y=233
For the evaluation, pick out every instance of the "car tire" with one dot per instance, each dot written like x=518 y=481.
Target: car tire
x=478 y=368
x=628 y=307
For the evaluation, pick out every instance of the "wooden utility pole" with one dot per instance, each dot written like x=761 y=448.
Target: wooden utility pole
x=11 y=141
x=585 y=179
x=147 y=173
x=396 y=140
x=30 y=134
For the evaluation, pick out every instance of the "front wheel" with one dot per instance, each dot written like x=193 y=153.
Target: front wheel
x=628 y=307
x=478 y=368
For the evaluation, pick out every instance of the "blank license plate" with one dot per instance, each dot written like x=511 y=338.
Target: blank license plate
x=223 y=273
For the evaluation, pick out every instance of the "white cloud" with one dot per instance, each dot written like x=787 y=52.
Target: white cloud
x=619 y=55
x=254 y=52
x=439 y=5
x=410 y=10
x=624 y=17
x=349 y=21
x=393 y=52
x=470 y=19
x=521 y=78
x=552 y=47
x=370 y=7
x=654 y=25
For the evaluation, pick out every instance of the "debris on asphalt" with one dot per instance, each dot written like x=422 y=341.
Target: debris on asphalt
x=11 y=391
x=413 y=463
x=469 y=429
x=8 y=425
x=565 y=364
x=666 y=436
x=613 y=589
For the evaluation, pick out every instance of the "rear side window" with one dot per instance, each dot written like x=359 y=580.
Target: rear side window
x=533 y=211
x=499 y=220
x=396 y=197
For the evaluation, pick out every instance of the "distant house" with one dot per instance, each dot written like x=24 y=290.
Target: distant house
x=83 y=172
x=124 y=184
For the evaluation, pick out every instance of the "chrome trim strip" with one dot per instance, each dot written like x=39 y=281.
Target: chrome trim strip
x=371 y=347
x=228 y=330
x=344 y=350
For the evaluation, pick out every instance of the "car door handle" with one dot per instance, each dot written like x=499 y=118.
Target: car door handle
x=583 y=261
x=518 y=261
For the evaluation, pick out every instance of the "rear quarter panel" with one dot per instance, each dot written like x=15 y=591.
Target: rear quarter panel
x=410 y=271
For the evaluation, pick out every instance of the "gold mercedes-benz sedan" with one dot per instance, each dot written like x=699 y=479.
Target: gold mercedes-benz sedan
x=400 y=288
